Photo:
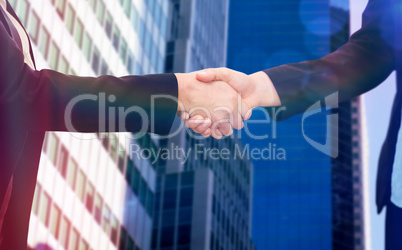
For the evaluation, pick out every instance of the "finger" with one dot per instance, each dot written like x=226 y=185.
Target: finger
x=215 y=74
x=229 y=115
x=216 y=133
x=225 y=128
x=183 y=115
x=204 y=126
x=194 y=122
x=207 y=133
x=245 y=110
x=235 y=118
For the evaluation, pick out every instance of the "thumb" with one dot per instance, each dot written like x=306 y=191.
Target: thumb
x=206 y=75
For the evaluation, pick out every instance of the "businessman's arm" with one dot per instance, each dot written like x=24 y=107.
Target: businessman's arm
x=46 y=100
x=358 y=66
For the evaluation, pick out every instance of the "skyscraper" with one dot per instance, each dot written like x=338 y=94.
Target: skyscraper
x=308 y=200
x=203 y=201
x=90 y=193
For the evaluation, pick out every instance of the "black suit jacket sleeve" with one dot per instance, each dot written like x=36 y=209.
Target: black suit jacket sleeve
x=356 y=67
x=37 y=100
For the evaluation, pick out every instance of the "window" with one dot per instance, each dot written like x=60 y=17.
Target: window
x=148 y=43
x=187 y=178
x=184 y=235
x=44 y=42
x=130 y=243
x=123 y=239
x=63 y=161
x=78 y=33
x=104 y=68
x=87 y=47
x=113 y=148
x=95 y=61
x=169 y=199
x=116 y=38
x=98 y=209
x=109 y=25
x=150 y=202
x=70 y=17
x=72 y=169
x=74 y=239
x=22 y=11
x=143 y=191
x=54 y=56
x=185 y=215
x=60 y=7
x=151 y=4
x=92 y=4
x=89 y=202
x=101 y=12
x=44 y=208
x=36 y=199
x=122 y=157
x=157 y=14
x=55 y=221
x=186 y=197
x=13 y=3
x=123 y=51
x=33 y=26
x=84 y=245
x=129 y=172
x=64 y=232
x=134 y=18
x=167 y=236
x=106 y=220
x=53 y=146
x=114 y=231
x=155 y=56
x=171 y=181
x=79 y=188
x=63 y=66
x=164 y=26
x=127 y=7
x=130 y=62
x=136 y=181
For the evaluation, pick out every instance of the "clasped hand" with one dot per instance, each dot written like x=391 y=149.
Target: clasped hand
x=214 y=101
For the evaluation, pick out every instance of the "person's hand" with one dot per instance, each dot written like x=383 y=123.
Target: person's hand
x=215 y=107
x=256 y=89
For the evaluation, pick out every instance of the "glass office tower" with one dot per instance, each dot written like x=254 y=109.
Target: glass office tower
x=203 y=202
x=308 y=200
x=90 y=193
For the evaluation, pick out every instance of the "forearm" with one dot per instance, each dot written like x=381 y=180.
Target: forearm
x=355 y=68
x=265 y=92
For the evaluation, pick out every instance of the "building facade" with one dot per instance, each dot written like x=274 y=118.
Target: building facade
x=309 y=200
x=91 y=193
x=203 y=201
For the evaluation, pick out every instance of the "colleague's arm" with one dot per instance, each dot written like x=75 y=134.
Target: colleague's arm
x=356 y=67
x=42 y=100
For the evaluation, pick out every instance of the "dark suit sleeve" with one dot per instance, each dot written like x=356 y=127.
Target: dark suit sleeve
x=42 y=100
x=358 y=66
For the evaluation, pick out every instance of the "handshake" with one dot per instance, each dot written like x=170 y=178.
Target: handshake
x=214 y=101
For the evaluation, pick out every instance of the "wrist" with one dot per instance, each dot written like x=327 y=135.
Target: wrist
x=184 y=86
x=180 y=89
x=265 y=92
